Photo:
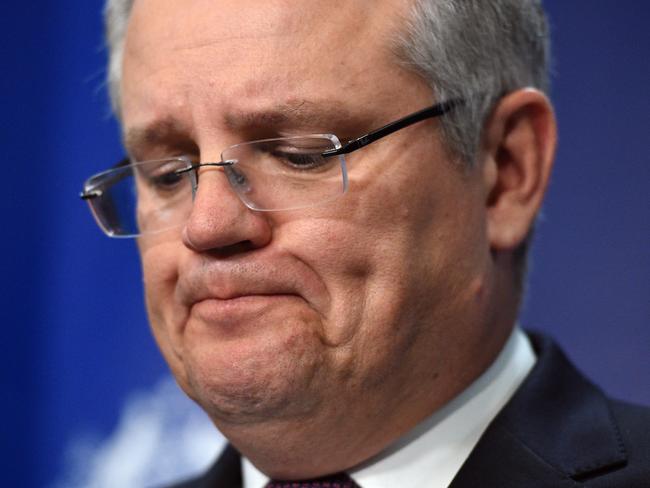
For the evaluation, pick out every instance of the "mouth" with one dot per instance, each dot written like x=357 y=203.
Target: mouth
x=239 y=311
x=242 y=293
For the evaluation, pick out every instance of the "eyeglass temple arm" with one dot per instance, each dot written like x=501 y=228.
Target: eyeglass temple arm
x=89 y=195
x=427 y=113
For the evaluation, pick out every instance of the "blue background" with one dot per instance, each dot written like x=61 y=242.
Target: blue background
x=75 y=336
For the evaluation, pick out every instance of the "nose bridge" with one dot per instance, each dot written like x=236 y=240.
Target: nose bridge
x=203 y=167
x=210 y=175
x=219 y=219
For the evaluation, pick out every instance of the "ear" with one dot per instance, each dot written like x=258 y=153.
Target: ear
x=518 y=148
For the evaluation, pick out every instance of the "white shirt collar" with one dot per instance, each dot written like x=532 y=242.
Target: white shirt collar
x=431 y=454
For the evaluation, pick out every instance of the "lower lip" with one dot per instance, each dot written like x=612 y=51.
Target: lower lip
x=234 y=311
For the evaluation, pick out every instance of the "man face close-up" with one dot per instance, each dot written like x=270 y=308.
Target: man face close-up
x=320 y=318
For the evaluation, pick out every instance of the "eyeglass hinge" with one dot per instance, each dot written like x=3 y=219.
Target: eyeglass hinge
x=90 y=194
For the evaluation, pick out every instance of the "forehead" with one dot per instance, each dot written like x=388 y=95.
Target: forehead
x=243 y=54
x=327 y=31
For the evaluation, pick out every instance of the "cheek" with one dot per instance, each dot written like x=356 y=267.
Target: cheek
x=362 y=248
x=395 y=253
x=160 y=264
x=160 y=270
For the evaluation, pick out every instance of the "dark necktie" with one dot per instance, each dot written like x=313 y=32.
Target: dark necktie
x=339 y=480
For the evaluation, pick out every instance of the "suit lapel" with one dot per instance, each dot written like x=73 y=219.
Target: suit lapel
x=556 y=430
x=225 y=473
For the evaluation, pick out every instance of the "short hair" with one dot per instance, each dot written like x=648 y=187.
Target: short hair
x=476 y=51
x=116 y=20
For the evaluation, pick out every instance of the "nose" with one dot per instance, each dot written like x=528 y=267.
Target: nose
x=220 y=222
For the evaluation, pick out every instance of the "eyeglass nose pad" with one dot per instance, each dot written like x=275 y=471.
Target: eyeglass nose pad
x=237 y=179
x=194 y=182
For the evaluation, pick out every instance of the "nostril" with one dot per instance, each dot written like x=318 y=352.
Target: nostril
x=220 y=251
x=232 y=249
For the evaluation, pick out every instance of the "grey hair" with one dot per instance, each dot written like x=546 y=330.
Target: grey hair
x=116 y=18
x=476 y=51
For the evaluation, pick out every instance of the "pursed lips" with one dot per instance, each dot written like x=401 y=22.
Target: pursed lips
x=222 y=282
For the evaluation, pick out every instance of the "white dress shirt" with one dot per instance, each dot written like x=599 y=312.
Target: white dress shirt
x=433 y=452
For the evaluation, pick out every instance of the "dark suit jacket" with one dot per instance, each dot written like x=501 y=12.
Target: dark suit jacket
x=558 y=430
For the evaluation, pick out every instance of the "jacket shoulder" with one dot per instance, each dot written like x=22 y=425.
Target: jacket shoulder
x=559 y=429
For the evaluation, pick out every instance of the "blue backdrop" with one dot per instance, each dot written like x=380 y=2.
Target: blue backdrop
x=76 y=339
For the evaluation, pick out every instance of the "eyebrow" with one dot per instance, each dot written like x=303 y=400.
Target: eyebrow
x=300 y=113
x=163 y=132
x=325 y=115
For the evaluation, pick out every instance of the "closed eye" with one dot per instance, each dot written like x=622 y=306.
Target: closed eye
x=166 y=181
x=299 y=159
x=161 y=176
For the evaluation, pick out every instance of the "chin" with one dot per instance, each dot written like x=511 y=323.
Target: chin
x=253 y=379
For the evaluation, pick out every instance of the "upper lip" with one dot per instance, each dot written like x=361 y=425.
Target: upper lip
x=229 y=279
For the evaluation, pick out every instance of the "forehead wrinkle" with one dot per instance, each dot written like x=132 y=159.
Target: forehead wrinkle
x=205 y=43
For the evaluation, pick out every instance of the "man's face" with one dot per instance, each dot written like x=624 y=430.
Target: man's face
x=266 y=316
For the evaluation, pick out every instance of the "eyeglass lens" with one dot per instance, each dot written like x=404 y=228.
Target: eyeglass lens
x=274 y=174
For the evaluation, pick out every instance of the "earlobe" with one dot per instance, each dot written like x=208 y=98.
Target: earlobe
x=518 y=148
